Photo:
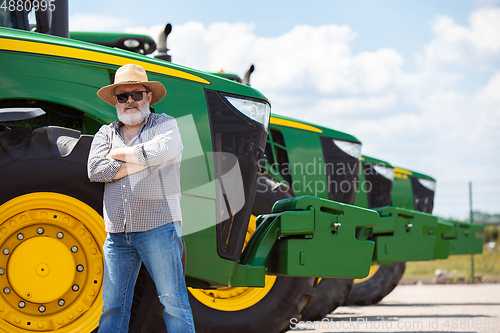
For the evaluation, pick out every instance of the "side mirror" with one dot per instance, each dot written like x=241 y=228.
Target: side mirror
x=16 y=114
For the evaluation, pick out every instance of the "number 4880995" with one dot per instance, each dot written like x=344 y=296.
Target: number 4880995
x=24 y=5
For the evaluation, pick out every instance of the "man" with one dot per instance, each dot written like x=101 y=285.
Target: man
x=138 y=158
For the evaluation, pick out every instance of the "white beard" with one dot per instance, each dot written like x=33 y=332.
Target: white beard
x=130 y=118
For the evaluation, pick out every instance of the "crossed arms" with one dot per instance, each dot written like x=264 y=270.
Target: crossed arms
x=130 y=161
x=106 y=164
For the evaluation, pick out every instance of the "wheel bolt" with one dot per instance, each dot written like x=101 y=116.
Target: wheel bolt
x=2 y=271
x=41 y=308
x=75 y=287
x=40 y=231
x=61 y=302
x=74 y=249
x=6 y=251
x=22 y=304
x=60 y=235
x=6 y=290
x=20 y=236
x=79 y=268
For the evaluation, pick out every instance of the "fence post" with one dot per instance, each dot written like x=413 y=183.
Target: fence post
x=471 y=221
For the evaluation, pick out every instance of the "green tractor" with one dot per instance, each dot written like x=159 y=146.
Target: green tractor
x=228 y=308
x=51 y=229
x=317 y=161
x=379 y=185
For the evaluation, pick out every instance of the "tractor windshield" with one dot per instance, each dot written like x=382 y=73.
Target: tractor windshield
x=16 y=19
x=8 y=19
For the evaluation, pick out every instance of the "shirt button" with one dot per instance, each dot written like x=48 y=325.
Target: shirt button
x=123 y=186
x=125 y=200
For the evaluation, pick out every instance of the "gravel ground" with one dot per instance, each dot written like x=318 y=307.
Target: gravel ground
x=418 y=308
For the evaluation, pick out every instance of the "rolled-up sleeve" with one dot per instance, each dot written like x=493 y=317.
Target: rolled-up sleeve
x=163 y=147
x=100 y=168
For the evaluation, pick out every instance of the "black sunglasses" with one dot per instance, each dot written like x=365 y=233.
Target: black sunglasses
x=136 y=96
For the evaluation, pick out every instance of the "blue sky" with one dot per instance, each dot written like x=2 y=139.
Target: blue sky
x=418 y=82
x=387 y=23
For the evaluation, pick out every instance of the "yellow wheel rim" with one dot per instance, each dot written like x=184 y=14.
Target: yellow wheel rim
x=371 y=273
x=51 y=264
x=235 y=298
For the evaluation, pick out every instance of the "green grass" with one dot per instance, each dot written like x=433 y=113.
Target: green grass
x=486 y=265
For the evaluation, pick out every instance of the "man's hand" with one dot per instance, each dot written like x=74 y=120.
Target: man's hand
x=130 y=163
x=125 y=154
x=128 y=169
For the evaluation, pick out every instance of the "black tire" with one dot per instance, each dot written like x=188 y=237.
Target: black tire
x=31 y=161
x=330 y=294
x=373 y=290
x=146 y=315
x=272 y=314
x=288 y=297
x=53 y=159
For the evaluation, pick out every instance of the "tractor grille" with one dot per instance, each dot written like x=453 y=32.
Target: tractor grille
x=235 y=139
x=423 y=198
x=378 y=187
x=342 y=172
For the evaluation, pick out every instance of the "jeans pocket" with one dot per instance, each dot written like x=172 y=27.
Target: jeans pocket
x=178 y=228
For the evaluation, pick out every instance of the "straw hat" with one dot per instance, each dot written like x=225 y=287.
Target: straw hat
x=128 y=75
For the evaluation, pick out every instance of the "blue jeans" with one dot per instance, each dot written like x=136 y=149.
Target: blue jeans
x=161 y=250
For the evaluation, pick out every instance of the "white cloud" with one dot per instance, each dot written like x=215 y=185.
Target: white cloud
x=436 y=120
x=306 y=57
x=351 y=108
x=95 y=22
x=492 y=91
x=477 y=44
x=152 y=31
x=218 y=46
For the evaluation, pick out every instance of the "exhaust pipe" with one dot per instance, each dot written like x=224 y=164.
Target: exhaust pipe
x=246 y=78
x=162 y=44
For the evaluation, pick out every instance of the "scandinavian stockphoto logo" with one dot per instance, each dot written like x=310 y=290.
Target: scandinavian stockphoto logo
x=216 y=177
x=208 y=176
x=317 y=177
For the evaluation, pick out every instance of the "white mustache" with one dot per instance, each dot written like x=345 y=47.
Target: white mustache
x=131 y=104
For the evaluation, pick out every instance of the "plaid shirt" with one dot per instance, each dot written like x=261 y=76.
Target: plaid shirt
x=147 y=199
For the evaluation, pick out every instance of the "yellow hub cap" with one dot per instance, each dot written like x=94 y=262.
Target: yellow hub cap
x=371 y=273
x=50 y=264
x=235 y=298
x=42 y=268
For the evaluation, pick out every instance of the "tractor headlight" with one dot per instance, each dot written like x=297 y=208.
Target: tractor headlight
x=255 y=110
x=384 y=171
x=351 y=148
x=428 y=184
